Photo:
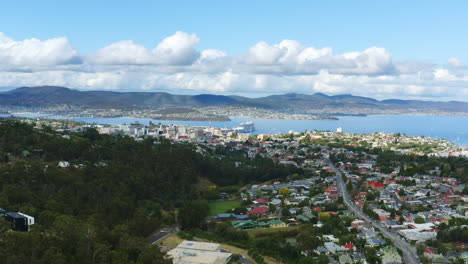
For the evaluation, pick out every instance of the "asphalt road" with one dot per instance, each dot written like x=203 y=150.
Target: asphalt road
x=158 y=236
x=245 y=260
x=409 y=252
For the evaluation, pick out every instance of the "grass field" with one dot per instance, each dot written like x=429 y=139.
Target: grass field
x=171 y=241
x=219 y=207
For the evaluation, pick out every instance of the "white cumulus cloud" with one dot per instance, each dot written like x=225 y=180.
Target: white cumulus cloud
x=372 y=61
x=291 y=57
x=122 y=52
x=34 y=52
x=175 y=65
x=177 y=49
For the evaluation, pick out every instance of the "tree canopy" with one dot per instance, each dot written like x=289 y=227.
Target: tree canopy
x=114 y=194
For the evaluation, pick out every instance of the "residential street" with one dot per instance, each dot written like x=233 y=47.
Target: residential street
x=409 y=252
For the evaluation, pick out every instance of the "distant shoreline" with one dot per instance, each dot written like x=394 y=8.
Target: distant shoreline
x=452 y=128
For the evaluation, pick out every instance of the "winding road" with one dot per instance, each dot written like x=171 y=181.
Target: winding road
x=409 y=252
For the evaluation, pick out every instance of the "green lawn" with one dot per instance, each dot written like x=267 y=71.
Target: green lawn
x=219 y=207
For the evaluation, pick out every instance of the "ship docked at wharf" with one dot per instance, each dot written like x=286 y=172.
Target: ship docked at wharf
x=247 y=127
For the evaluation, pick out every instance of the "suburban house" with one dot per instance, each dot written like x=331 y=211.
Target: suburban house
x=390 y=256
x=19 y=221
x=375 y=185
x=349 y=246
x=345 y=258
x=277 y=223
x=259 y=211
x=248 y=224
x=334 y=248
x=64 y=164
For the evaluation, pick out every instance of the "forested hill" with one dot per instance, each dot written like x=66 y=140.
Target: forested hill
x=115 y=193
x=50 y=96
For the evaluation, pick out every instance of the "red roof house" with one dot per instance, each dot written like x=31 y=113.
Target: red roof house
x=261 y=201
x=258 y=211
x=383 y=218
x=332 y=213
x=375 y=185
x=429 y=251
x=349 y=246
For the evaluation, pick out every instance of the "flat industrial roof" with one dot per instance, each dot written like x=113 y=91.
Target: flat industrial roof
x=198 y=245
x=193 y=256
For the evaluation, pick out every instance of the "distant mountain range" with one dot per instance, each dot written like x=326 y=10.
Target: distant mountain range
x=49 y=96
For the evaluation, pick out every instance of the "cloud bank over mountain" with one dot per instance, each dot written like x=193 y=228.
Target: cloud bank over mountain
x=176 y=65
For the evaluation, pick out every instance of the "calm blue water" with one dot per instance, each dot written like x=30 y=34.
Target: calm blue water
x=452 y=128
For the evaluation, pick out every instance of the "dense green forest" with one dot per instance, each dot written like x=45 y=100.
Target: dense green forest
x=116 y=192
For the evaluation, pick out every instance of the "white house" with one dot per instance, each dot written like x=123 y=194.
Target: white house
x=64 y=164
x=30 y=219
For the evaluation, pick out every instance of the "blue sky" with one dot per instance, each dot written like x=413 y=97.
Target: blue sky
x=422 y=32
x=428 y=30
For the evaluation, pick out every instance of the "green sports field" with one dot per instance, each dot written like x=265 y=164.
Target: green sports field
x=219 y=207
